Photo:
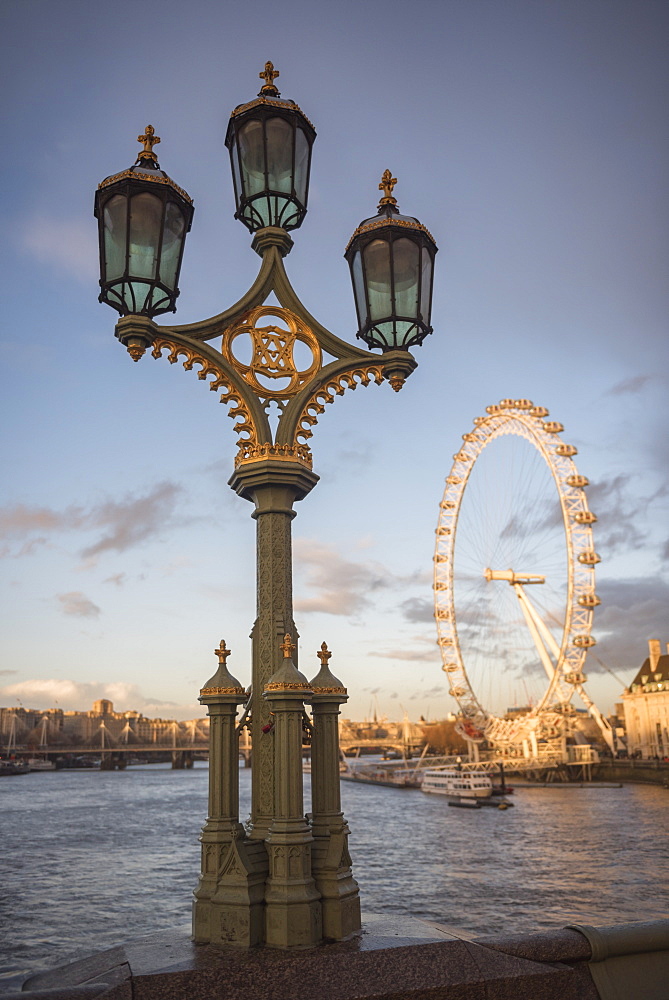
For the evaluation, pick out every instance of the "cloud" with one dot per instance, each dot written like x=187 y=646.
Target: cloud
x=120 y=524
x=629 y=385
x=418 y=609
x=67 y=245
x=132 y=520
x=77 y=604
x=343 y=586
x=7 y=673
x=117 y=578
x=632 y=612
x=412 y=654
x=78 y=696
x=621 y=513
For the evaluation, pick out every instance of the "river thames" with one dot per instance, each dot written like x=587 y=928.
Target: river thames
x=91 y=858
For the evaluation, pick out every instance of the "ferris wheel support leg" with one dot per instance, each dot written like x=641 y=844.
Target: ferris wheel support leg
x=604 y=726
x=533 y=744
x=549 y=639
x=526 y=608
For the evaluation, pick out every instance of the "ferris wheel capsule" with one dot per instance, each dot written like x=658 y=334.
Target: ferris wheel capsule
x=577 y=482
x=566 y=450
x=589 y=558
x=589 y=600
x=585 y=517
x=584 y=641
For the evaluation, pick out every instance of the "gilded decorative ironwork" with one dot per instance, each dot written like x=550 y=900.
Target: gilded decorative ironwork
x=282 y=452
x=257 y=101
x=229 y=395
x=280 y=686
x=138 y=175
x=204 y=692
x=336 y=386
x=324 y=653
x=272 y=352
x=387 y=184
x=389 y=220
x=150 y=139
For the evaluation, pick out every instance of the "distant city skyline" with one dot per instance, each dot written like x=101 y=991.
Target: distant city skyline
x=530 y=139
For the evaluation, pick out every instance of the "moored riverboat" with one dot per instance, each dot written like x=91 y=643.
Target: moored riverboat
x=40 y=764
x=8 y=767
x=458 y=784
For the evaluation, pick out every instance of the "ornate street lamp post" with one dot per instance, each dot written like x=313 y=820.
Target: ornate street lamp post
x=280 y=881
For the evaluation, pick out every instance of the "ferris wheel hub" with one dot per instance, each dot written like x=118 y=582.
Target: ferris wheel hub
x=511 y=577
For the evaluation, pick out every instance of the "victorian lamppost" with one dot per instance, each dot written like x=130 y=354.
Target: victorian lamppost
x=282 y=880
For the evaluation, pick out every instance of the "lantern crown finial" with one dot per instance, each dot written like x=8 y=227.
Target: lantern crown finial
x=387 y=184
x=269 y=74
x=147 y=157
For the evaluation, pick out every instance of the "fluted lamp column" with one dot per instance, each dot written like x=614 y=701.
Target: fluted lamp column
x=331 y=862
x=221 y=694
x=292 y=902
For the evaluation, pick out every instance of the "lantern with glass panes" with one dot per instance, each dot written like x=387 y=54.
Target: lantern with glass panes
x=143 y=218
x=270 y=142
x=391 y=257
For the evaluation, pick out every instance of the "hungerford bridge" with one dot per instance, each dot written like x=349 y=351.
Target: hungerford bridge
x=406 y=754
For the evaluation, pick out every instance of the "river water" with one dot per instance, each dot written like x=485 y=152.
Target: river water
x=91 y=858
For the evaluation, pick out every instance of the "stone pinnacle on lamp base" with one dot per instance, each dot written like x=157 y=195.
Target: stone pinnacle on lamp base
x=227 y=905
x=292 y=902
x=331 y=862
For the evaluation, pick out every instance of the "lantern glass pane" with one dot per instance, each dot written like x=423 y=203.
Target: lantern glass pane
x=138 y=296
x=301 y=165
x=426 y=285
x=405 y=270
x=146 y=216
x=252 y=154
x=115 y=236
x=377 y=266
x=236 y=173
x=279 y=155
x=359 y=288
x=172 y=240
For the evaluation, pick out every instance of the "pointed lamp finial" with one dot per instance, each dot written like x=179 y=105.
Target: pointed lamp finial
x=387 y=184
x=325 y=683
x=222 y=681
x=147 y=157
x=269 y=74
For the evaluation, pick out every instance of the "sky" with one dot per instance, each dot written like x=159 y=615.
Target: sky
x=529 y=136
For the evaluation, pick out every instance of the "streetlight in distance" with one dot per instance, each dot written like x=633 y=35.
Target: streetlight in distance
x=281 y=881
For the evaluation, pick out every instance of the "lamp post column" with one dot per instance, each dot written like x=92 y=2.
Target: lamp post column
x=331 y=862
x=273 y=485
x=292 y=903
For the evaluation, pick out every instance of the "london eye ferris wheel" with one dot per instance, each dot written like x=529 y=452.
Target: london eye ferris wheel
x=514 y=579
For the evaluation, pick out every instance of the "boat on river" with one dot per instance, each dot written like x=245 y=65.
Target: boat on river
x=457 y=784
x=8 y=767
x=40 y=764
